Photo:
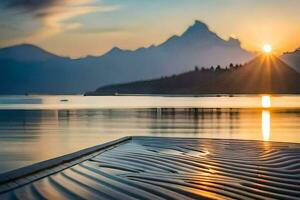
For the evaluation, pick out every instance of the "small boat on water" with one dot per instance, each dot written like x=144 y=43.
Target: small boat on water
x=64 y=100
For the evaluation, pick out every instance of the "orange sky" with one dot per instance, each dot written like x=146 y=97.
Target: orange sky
x=78 y=28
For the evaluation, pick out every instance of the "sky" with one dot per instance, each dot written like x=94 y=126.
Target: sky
x=77 y=28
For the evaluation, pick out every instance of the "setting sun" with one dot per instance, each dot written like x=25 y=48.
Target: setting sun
x=267 y=48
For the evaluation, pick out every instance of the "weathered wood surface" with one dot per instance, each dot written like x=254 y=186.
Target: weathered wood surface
x=173 y=168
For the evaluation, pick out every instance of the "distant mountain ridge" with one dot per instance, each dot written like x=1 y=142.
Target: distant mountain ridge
x=29 y=69
x=262 y=75
x=292 y=58
x=26 y=52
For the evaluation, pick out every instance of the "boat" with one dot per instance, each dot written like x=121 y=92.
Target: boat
x=64 y=100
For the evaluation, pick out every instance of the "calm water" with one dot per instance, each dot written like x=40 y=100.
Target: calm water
x=36 y=128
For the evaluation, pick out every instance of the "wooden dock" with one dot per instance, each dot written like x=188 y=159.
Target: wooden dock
x=163 y=168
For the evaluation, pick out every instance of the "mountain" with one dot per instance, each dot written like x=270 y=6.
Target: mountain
x=26 y=53
x=263 y=74
x=30 y=69
x=292 y=58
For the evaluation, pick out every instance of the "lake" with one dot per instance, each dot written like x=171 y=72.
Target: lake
x=37 y=128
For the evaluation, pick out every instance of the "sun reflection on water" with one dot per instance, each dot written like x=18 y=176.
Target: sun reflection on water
x=266 y=124
x=266 y=101
x=266 y=117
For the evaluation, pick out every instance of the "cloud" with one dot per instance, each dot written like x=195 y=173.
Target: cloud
x=30 y=5
x=55 y=15
x=99 y=30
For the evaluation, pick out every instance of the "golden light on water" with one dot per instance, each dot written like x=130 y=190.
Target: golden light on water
x=266 y=124
x=266 y=117
x=266 y=101
x=267 y=48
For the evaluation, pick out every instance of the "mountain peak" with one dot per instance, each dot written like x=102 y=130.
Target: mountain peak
x=114 y=50
x=26 y=52
x=200 y=25
x=198 y=29
x=23 y=46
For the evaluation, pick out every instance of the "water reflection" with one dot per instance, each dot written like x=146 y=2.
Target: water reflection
x=266 y=101
x=266 y=124
x=30 y=136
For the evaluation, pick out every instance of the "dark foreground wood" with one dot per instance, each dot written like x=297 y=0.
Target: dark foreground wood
x=164 y=168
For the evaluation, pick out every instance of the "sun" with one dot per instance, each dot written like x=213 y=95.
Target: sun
x=267 y=48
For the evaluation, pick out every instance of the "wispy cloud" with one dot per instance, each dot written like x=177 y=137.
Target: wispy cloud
x=100 y=30
x=55 y=15
x=30 y=5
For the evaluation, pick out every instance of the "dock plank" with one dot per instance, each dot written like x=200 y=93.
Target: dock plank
x=167 y=168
